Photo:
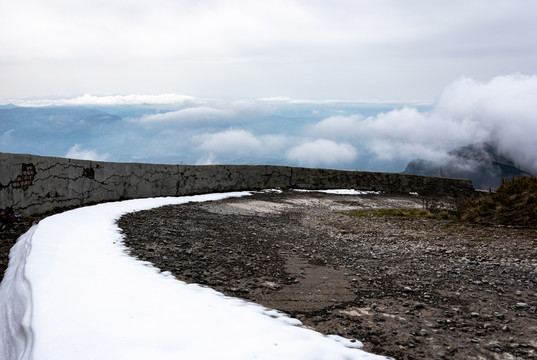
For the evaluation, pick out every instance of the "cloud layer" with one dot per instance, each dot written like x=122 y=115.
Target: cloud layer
x=500 y=111
x=337 y=134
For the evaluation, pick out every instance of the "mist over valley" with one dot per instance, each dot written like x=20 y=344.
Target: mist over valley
x=478 y=130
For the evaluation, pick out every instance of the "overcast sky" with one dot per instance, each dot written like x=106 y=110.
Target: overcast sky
x=342 y=49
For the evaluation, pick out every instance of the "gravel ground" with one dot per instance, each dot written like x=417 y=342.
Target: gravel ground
x=409 y=288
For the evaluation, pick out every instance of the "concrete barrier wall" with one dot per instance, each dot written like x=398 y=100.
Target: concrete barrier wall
x=35 y=184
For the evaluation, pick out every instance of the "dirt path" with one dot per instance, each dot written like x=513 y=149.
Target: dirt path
x=408 y=288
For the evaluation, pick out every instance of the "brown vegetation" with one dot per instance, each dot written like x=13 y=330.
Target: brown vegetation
x=513 y=203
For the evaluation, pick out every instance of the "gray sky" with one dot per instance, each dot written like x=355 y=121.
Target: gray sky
x=361 y=49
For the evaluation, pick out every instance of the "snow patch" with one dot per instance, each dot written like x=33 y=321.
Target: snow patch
x=342 y=191
x=72 y=292
x=16 y=303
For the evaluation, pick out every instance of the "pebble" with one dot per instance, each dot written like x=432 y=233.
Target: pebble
x=499 y=315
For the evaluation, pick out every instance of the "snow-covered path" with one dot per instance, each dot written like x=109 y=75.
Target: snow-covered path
x=71 y=292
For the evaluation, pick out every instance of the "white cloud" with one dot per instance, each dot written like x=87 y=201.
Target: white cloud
x=76 y=152
x=501 y=111
x=504 y=107
x=189 y=115
x=388 y=150
x=282 y=100
x=214 y=111
x=322 y=153
x=239 y=142
x=338 y=127
x=105 y=100
x=208 y=159
x=406 y=125
x=402 y=133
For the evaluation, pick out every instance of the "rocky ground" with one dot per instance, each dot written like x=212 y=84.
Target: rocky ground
x=410 y=288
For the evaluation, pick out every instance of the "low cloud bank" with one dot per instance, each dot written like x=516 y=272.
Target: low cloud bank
x=212 y=112
x=323 y=153
x=113 y=100
x=239 y=143
x=503 y=108
x=189 y=115
x=175 y=128
x=500 y=112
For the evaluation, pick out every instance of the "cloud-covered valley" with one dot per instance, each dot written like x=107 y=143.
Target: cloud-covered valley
x=332 y=134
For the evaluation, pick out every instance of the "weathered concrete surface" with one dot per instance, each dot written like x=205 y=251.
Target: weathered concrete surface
x=35 y=184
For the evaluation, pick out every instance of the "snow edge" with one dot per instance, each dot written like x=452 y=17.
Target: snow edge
x=16 y=303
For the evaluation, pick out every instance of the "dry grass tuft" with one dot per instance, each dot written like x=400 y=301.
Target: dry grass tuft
x=513 y=203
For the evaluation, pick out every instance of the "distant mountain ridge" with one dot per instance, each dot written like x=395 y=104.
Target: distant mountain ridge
x=8 y=106
x=52 y=115
x=481 y=163
x=51 y=129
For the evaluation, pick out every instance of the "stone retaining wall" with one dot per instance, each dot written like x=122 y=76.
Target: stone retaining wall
x=35 y=184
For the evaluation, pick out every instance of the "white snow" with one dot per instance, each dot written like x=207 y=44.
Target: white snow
x=72 y=292
x=342 y=191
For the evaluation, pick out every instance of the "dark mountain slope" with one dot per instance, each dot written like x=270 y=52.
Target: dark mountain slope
x=481 y=163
